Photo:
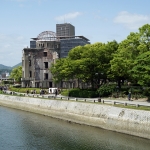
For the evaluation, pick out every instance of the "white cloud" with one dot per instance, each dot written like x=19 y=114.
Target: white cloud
x=68 y=16
x=131 y=21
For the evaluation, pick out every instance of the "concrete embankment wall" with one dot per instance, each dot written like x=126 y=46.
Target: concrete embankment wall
x=129 y=121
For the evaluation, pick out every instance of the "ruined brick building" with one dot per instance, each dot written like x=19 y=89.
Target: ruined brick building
x=44 y=50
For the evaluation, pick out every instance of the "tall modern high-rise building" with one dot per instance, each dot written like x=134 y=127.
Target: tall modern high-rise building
x=65 y=29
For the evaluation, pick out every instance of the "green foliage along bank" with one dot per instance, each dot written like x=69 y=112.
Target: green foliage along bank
x=16 y=74
x=95 y=64
x=84 y=93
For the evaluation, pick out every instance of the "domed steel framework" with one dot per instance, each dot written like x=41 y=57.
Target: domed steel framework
x=47 y=36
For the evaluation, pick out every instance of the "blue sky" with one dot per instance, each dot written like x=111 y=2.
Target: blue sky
x=98 y=20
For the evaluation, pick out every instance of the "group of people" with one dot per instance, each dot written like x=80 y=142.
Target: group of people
x=55 y=91
x=3 y=88
x=42 y=91
x=32 y=92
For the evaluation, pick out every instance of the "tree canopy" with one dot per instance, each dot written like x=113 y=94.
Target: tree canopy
x=16 y=74
x=87 y=63
x=127 y=60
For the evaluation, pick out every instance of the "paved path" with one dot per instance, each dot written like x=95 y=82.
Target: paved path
x=135 y=102
x=118 y=100
x=109 y=100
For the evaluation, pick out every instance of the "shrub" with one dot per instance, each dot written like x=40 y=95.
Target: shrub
x=146 y=91
x=125 y=89
x=65 y=92
x=84 y=93
x=24 y=90
x=106 y=90
x=136 y=91
x=8 y=82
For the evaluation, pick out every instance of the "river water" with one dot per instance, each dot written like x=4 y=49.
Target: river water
x=20 y=130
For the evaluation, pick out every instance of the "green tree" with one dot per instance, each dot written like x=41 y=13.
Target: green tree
x=100 y=61
x=129 y=49
x=16 y=74
x=95 y=62
x=141 y=69
x=88 y=63
x=62 y=70
x=85 y=62
x=124 y=57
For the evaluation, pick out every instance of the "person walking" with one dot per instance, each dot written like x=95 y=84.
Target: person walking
x=27 y=92
x=129 y=96
x=56 y=92
x=40 y=91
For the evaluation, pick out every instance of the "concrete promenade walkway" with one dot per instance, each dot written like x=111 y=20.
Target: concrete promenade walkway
x=141 y=102
x=134 y=102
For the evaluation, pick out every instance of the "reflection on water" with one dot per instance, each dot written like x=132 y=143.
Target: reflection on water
x=21 y=130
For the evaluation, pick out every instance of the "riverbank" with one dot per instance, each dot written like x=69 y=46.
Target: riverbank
x=133 y=122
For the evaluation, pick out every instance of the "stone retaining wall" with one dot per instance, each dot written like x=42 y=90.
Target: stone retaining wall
x=129 y=121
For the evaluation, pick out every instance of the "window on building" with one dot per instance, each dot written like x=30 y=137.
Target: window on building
x=30 y=74
x=46 y=64
x=50 y=84
x=45 y=54
x=45 y=76
x=57 y=45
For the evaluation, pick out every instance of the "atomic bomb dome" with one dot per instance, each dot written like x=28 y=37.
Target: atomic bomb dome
x=46 y=36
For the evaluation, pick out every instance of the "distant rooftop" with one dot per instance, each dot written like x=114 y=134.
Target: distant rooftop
x=71 y=37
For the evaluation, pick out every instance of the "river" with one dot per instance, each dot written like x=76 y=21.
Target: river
x=20 y=130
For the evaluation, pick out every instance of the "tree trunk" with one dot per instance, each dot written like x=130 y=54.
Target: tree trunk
x=119 y=83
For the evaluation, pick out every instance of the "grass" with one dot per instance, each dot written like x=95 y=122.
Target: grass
x=24 y=90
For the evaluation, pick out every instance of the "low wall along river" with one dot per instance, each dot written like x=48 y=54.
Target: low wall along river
x=129 y=121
